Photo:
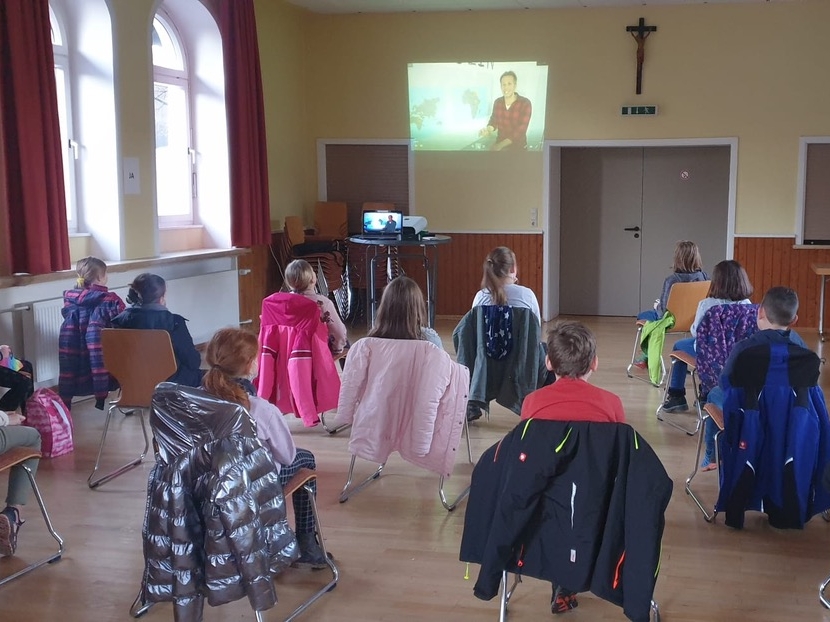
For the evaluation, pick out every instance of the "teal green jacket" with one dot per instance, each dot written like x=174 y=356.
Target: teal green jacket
x=651 y=342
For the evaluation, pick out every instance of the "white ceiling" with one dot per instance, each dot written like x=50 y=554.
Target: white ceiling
x=421 y=6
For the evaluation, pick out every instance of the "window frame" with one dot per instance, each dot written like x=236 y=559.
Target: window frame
x=179 y=78
x=69 y=147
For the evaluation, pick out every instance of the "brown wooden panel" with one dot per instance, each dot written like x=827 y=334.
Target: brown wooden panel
x=774 y=261
x=254 y=285
x=460 y=266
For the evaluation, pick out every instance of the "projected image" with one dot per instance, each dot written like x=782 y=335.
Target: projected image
x=478 y=106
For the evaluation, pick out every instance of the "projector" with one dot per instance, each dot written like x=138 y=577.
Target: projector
x=412 y=226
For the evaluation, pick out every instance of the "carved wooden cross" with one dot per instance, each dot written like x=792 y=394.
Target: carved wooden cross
x=640 y=32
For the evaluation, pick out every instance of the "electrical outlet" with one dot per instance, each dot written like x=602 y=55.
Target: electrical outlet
x=534 y=217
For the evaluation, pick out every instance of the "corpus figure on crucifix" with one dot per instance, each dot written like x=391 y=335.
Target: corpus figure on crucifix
x=640 y=32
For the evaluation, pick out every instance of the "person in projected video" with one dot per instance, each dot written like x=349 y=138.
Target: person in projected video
x=510 y=117
x=389 y=225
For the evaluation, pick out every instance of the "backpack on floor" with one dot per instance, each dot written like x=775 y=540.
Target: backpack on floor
x=46 y=412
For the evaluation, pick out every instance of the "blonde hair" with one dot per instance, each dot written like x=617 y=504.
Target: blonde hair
x=90 y=269
x=402 y=312
x=299 y=275
x=687 y=257
x=229 y=354
x=499 y=263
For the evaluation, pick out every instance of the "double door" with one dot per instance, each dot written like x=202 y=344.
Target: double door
x=622 y=211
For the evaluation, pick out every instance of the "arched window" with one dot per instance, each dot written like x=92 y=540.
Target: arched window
x=70 y=148
x=175 y=151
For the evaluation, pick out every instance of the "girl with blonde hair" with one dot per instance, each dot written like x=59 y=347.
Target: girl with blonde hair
x=87 y=308
x=232 y=356
x=300 y=278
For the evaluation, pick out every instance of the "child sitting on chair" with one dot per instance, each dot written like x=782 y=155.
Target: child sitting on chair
x=776 y=315
x=572 y=357
x=232 y=356
x=402 y=313
x=300 y=278
x=16 y=385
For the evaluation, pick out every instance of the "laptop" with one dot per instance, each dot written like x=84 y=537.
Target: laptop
x=382 y=224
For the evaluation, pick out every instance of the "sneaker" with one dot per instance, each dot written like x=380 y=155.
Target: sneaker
x=641 y=363
x=675 y=404
x=311 y=553
x=473 y=413
x=10 y=523
x=562 y=601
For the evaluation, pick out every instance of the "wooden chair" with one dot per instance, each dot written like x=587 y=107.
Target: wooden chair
x=303 y=479
x=139 y=360
x=18 y=457
x=683 y=301
x=331 y=220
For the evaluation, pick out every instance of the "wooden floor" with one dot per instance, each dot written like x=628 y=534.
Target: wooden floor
x=398 y=548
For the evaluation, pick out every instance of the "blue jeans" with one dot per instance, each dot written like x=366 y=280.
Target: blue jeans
x=650 y=316
x=715 y=397
x=677 y=383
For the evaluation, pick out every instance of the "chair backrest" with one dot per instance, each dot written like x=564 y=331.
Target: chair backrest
x=331 y=219
x=721 y=327
x=294 y=230
x=682 y=302
x=139 y=360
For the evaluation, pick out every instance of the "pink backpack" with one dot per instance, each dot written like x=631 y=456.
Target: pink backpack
x=46 y=412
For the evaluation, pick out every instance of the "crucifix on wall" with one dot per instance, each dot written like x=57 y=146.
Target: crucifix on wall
x=640 y=32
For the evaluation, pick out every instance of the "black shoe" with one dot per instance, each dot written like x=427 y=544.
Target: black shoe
x=473 y=413
x=311 y=553
x=10 y=523
x=562 y=600
x=675 y=404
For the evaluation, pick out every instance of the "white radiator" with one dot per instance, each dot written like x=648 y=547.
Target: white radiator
x=41 y=329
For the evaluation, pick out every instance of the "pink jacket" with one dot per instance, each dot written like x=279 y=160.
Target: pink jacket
x=404 y=396
x=296 y=370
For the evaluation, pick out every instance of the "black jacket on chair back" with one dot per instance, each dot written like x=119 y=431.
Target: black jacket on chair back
x=215 y=523
x=575 y=503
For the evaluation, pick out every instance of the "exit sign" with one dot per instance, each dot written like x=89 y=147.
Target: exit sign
x=638 y=110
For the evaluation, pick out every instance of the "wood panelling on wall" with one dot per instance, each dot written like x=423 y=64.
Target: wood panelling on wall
x=774 y=261
x=460 y=266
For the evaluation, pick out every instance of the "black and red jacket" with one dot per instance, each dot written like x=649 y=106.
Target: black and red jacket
x=578 y=504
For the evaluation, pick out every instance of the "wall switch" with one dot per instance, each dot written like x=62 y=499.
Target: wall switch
x=534 y=217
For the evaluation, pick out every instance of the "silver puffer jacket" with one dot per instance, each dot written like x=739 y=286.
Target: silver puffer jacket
x=215 y=524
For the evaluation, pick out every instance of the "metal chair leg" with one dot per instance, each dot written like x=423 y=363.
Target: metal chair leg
x=139 y=607
x=710 y=518
x=821 y=596
x=451 y=506
x=346 y=493
x=696 y=389
x=655 y=612
x=506 y=594
x=328 y=587
x=335 y=429
x=50 y=559
x=94 y=483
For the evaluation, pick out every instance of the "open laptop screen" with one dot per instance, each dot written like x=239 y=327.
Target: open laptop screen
x=382 y=222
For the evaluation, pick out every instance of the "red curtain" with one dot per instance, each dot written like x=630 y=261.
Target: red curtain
x=36 y=239
x=250 y=210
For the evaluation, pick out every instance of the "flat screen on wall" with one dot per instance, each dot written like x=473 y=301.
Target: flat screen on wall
x=477 y=106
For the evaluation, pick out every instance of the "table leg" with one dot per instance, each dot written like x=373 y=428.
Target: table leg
x=821 y=308
x=430 y=293
x=370 y=289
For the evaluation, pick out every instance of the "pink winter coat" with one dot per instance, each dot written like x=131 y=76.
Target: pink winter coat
x=407 y=396
x=296 y=370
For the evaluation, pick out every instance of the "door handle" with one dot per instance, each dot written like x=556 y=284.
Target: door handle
x=631 y=229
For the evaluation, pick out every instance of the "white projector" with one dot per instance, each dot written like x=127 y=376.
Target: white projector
x=413 y=225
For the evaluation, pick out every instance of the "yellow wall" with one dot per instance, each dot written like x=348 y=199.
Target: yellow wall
x=755 y=71
x=292 y=183
x=132 y=20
